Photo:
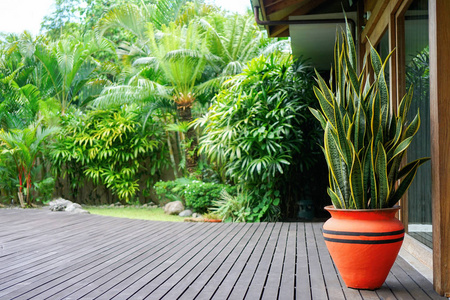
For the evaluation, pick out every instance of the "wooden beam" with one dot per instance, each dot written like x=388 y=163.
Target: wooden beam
x=296 y=10
x=282 y=4
x=439 y=36
x=375 y=17
x=276 y=31
x=307 y=8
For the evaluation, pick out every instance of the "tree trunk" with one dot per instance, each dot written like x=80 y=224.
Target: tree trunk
x=172 y=158
x=20 y=195
x=185 y=115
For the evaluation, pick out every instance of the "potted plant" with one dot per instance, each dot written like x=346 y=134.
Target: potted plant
x=364 y=144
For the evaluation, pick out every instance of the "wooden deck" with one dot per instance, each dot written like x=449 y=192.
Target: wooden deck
x=57 y=255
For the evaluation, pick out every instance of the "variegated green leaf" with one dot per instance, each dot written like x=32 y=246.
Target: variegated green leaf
x=381 y=171
x=402 y=147
x=413 y=127
x=373 y=178
x=336 y=162
x=327 y=107
x=406 y=169
x=335 y=199
x=342 y=139
x=375 y=60
x=405 y=104
x=318 y=115
x=356 y=183
x=351 y=50
x=404 y=184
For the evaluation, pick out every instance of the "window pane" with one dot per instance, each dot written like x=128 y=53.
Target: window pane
x=417 y=76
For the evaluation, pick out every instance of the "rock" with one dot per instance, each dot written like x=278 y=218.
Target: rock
x=154 y=206
x=72 y=206
x=59 y=204
x=112 y=205
x=185 y=213
x=145 y=205
x=196 y=215
x=173 y=208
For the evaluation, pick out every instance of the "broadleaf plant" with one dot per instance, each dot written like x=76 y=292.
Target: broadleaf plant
x=365 y=141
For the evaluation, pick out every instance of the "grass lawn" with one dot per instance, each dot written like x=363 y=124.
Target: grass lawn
x=154 y=214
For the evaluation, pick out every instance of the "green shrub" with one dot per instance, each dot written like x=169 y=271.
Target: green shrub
x=197 y=195
x=168 y=191
x=109 y=147
x=234 y=208
x=261 y=133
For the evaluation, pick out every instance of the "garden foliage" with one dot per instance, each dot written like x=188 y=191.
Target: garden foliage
x=258 y=124
x=196 y=194
x=148 y=68
x=109 y=147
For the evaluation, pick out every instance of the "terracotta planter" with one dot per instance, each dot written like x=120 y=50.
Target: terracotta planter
x=363 y=244
x=212 y=220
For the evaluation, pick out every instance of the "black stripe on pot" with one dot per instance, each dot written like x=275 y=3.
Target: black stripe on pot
x=372 y=242
x=364 y=233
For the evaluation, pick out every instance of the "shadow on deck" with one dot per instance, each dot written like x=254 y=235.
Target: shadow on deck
x=46 y=255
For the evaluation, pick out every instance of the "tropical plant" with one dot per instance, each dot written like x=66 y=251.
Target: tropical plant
x=233 y=208
x=109 y=147
x=69 y=72
x=24 y=146
x=364 y=140
x=257 y=126
x=178 y=58
x=235 y=39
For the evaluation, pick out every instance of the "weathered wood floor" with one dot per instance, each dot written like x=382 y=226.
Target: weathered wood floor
x=45 y=255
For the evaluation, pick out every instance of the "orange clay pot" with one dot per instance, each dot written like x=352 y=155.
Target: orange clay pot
x=212 y=220
x=364 y=244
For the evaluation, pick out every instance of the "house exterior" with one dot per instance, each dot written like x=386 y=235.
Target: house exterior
x=418 y=31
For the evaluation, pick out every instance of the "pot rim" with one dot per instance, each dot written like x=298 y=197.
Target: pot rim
x=332 y=208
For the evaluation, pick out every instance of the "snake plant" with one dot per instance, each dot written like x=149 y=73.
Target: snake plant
x=365 y=140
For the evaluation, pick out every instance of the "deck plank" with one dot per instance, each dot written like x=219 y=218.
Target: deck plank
x=317 y=281
x=212 y=256
x=288 y=276
x=415 y=277
x=215 y=268
x=333 y=285
x=46 y=255
x=241 y=287
x=232 y=278
x=303 y=284
x=134 y=252
x=274 y=276
x=86 y=259
x=256 y=288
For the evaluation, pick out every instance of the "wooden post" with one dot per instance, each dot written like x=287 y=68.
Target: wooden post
x=439 y=34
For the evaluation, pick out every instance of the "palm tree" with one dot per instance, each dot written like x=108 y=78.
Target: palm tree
x=236 y=39
x=21 y=107
x=71 y=74
x=178 y=57
x=134 y=18
x=24 y=145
